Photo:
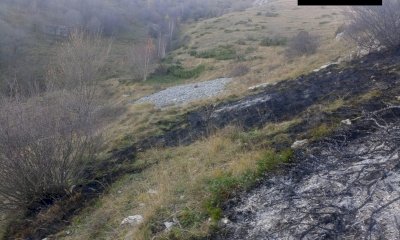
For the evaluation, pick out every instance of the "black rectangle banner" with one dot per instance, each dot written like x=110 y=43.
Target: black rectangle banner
x=339 y=2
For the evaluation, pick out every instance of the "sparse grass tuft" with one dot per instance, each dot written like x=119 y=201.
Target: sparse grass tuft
x=321 y=131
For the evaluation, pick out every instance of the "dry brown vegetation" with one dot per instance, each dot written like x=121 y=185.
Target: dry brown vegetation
x=373 y=27
x=46 y=139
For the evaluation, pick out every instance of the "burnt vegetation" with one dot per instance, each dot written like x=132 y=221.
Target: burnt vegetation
x=345 y=186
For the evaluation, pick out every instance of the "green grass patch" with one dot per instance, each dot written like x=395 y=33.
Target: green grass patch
x=225 y=186
x=175 y=73
x=321 y=131
x=225 y=52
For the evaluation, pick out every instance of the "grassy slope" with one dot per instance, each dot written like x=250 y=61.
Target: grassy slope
x=267 y=64
x=188 y=178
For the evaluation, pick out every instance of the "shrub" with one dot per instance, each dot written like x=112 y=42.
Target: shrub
x=239 y=70
x=372 y=26
x=275 y=41
x=179 y=72
x=45 y=140
x=302 y=44
x=44 y=144
x=170 y=73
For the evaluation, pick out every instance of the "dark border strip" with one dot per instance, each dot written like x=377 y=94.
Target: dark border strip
x=339 y=2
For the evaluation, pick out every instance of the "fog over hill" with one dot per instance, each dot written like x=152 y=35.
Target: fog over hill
x=29 y=26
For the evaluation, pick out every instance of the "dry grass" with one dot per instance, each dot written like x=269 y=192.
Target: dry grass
x=181 y=181
x=178 y=179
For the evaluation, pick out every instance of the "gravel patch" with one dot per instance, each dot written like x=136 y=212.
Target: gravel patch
x=187 y=93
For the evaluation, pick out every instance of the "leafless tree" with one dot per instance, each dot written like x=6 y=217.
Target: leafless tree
x=79 y=63
x=372 y=27
x=141 y=58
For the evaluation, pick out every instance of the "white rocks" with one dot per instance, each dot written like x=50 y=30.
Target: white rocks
x=299 y=144
x=325 y=66
x=225 y=221
x=256 y=87
x=132 y=220
x=346 y=122
x=187 y=93
x=168 y=225
x=152 y=192
x=339 y=36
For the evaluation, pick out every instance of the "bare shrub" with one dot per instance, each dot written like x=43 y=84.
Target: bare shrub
x=44 y=143
x=79 y=62
x=303 y=43
x=46 y=139
x=239 y=70
x=372 y=27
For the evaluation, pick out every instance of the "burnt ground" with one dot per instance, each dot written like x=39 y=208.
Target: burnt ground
x=283 y=101
x=346 y=186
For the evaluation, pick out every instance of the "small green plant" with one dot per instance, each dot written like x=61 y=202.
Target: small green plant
x=190 y=218
x=222 y=187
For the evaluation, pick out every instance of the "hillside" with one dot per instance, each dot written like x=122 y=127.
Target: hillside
x=247 y=141
x=240 y=36
x=187 y=183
